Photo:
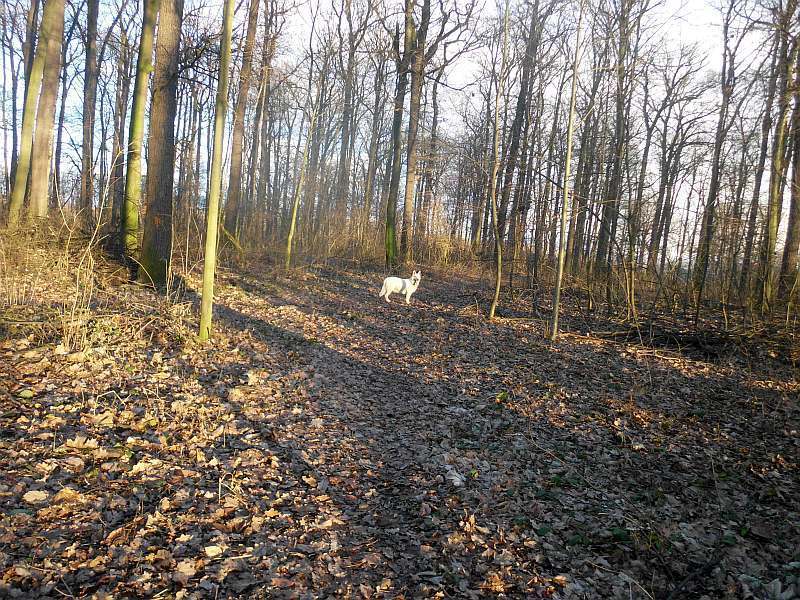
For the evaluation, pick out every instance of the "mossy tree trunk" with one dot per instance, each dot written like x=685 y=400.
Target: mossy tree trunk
x=133 y=175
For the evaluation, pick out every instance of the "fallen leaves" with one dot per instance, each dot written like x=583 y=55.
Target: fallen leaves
x=36 y=496
x=322 y=448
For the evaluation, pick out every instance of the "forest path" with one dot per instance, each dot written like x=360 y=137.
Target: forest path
x=326 y=443
x=474 y=458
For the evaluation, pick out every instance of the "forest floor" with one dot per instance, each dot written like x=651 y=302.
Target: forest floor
x=329 y=444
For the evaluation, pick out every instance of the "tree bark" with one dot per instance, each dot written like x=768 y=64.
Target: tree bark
x=42 y=149
x=89 y=97
x=154 y=261
x=401 y=83
x=232 y=205
x=133 y=176
x=766 y=128
x=778 y=164
x=117 y=184
x=215 y=183
x=787 y=282
x=33 y=85
x=562 y=243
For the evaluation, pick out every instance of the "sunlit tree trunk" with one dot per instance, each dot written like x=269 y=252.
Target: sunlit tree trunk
x=133 y=176
x=788 y=276
x=42 y=150
x=562 y=243
x=500 y=81
x=402 y=62
x=215 y=183
x=778 y=163
x=33 y=85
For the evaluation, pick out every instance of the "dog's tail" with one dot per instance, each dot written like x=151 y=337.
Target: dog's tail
x=383 y=290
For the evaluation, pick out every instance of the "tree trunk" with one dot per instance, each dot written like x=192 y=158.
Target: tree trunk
x=89 y=96
x=788 y=276
x=154 y=262
x=117 y=184
x=33 y=85
x=232 y=205
x=215 y=183
x=520 y=111
x=562 y=242
x=766 y=127
x=417 y=79
x=609 y=214
x=42 y=149
x=498 y=242
x=402 y=62
x=377 y=118
x=778 y=163
x=707 y=228
x=133 y=176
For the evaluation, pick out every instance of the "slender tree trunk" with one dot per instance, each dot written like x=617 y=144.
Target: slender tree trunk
x=133 y=176
x=215 y=184
x=232 y=205
x=154 y=262
x=562 y=245
x=402 y=61
x=520 y=111
x=778 y=163
x=377 y=118
x=498 y=242
x=117 y=187
x=33 y=85
x=89 y=96
x=343 y=169
x=611 y=203
x=412 y=142
x=766 y=127
x=65 y=87
x=3 y=116
x=707 y=228
x=299 y=186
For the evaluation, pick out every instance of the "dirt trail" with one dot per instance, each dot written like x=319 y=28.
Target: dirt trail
x=496 y=462
x=331 y=444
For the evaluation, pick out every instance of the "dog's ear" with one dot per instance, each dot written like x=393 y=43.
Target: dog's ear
x=418 y=274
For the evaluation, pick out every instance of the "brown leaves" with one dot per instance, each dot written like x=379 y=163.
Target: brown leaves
x=323 y=448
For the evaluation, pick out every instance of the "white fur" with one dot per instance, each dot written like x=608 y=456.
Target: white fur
x=392 y=285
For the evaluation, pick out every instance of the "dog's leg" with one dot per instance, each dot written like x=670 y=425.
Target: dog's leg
x=388 y=293
x=408 y=298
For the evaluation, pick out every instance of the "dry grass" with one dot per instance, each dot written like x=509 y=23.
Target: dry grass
x=59 y=287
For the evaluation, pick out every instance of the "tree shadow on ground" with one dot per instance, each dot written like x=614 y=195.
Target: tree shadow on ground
x=448 y=489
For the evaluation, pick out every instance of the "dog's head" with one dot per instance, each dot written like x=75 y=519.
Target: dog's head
x=416 y=276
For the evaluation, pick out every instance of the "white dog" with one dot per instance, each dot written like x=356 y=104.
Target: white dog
x=397 y=285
